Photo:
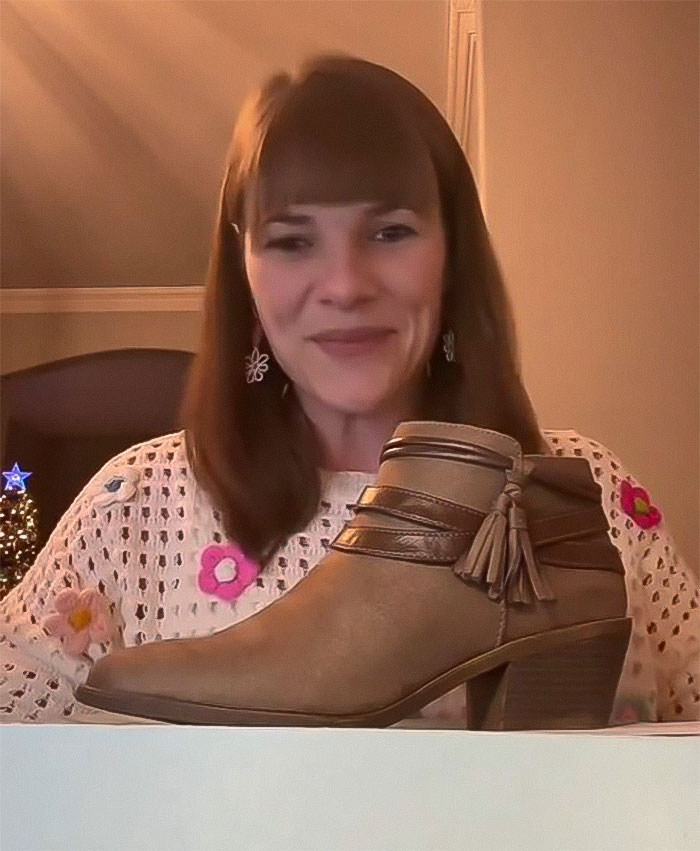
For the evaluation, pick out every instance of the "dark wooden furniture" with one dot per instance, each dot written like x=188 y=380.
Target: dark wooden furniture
x=63 y=420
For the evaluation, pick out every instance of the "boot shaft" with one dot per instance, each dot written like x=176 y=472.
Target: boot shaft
x=456 y=494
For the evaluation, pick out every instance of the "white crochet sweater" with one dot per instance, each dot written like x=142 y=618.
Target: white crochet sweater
x=136 y=535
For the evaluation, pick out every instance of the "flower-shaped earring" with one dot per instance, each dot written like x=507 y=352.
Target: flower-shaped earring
x=636 y=503
x=82 y=618
x=256 y=366
x=118 y=487
x=225 y=571
x=256 y=363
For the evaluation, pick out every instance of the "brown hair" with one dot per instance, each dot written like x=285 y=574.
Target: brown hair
x=340 y=129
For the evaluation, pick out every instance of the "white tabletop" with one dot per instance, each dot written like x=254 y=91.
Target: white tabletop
x=133 y=786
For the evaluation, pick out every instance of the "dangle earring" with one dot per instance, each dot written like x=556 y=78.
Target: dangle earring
x=256 y=363
x=448 y=346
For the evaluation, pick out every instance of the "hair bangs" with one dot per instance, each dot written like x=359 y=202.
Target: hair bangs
x=335 y=144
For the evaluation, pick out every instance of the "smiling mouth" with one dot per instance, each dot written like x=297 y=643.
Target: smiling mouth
x=356 y=335
x=353 y=344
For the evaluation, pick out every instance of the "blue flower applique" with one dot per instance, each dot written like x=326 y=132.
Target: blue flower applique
x=118 y=487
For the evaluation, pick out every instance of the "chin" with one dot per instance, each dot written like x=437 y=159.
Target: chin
x=351 y=400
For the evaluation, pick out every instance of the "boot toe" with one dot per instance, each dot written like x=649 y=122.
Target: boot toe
x=117 y=672
x=167 y=669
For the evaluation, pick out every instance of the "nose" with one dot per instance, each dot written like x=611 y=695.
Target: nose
x=348 y=280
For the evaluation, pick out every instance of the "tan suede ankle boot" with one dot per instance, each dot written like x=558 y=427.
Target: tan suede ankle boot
x=466 y=562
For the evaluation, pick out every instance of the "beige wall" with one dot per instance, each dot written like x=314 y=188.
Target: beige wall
x=591 y=153
x=117 y=116
x=591 y=183
x=36 y=338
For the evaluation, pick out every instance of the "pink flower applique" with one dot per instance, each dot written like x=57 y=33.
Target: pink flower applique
x=629 y=715
x=82 y=618
x=225 y=571
x=633 y=710
x=635 y=501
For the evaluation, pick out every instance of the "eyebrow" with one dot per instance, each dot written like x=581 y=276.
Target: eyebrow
x=289 y=219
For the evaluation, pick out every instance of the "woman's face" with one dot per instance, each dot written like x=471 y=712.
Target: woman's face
x=349 y=299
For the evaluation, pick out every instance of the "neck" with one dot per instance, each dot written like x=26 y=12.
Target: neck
x=355 y=441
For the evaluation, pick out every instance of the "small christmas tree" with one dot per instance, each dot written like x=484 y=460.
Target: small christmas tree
x=18 y=530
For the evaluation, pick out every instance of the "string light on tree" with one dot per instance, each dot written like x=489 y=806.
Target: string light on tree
x=18 y=529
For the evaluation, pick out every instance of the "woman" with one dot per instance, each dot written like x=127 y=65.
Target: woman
x=351 y=254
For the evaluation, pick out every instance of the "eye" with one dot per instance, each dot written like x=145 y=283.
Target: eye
x=290 y=244
x=401 y=230
x=285 y=243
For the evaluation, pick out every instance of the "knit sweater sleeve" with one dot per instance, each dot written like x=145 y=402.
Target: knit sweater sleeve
x=660 y=678
x=64 y=614
x=666 y=613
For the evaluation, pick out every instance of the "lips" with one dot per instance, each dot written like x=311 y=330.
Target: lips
x=353 y=343
x=354 y=335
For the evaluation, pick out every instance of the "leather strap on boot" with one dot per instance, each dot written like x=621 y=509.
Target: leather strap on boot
x=496 y=549
x=485 y=560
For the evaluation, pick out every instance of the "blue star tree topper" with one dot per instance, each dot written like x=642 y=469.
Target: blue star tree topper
x=16 y=479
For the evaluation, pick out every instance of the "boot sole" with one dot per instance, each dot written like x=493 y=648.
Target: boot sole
x=561 y=679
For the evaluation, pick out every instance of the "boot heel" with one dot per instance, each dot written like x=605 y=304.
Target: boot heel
x=571 y=687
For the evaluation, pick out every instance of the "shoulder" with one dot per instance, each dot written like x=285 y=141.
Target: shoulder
x=569 y=442
x=167 y=448
x=129 y=475
x=607 y=468
x=634 y=518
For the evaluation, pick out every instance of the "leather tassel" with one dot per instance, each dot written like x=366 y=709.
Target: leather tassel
x=538 y=580
x=515 y=578
x=484 y=560
x=503 y=539
x=520 y=550
x=499 y=550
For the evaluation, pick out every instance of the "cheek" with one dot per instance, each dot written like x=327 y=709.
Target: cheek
x=279 y=314
x=265 y=279
x=427 y=273
x=422 y=309
x=276 y=297
x=423 y=330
